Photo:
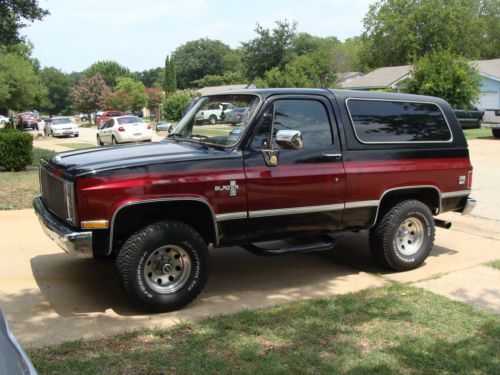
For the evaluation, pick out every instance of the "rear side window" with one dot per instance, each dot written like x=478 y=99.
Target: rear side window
x=380 y=121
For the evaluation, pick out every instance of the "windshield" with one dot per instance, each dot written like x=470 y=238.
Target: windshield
x=60 y=121
x=210 y=120
x=129 y=120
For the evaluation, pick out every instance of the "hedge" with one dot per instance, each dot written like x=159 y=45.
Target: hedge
x=16 y=149
x=175 y=104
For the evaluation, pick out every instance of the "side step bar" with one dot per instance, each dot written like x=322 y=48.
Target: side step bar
x=442 y=224
x=321 y=244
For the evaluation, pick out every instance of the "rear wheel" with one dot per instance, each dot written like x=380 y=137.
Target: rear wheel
x=164 y=266
x=212 y=120
x=113 y=140
x=404 y=237
x=496 y=133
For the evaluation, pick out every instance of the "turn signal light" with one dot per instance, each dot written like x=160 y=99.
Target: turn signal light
x=95 y=224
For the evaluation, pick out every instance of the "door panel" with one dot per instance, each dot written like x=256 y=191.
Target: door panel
x=305 y=191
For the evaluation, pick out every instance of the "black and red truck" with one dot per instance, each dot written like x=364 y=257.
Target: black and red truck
x=302 y=166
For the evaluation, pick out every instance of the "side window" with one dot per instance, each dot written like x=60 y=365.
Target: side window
x=308 y=116
x=379 y=121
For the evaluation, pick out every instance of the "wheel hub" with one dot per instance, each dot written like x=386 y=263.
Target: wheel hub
x=409 y=236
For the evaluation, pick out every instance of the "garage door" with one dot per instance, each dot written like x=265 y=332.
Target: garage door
x=488 y=100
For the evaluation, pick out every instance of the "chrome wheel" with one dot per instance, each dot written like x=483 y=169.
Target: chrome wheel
x=410 y=236
x=167 y=269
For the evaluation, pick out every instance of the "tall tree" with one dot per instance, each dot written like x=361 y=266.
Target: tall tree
x=58 y=85
x=272 y=48
x=88 y=93
x=151 y=77
x=398 y=31
x=129 y=94
x=198 y=58
x=13 y=16
x=170 y=81
x=108 y=70
x=447 y=76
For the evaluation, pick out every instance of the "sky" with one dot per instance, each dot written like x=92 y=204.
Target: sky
x=139 y=34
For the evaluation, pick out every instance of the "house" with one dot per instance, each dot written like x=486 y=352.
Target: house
x=391 y=77
x=346 y=77
x=215 y=89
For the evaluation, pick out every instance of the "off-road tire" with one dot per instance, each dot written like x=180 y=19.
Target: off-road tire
x=212 y=120
x=132 y=258
x=384 y=236
x=496 y=132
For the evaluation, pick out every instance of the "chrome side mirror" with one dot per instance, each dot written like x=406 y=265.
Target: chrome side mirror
x=164 y=127
x=289 y=139
x=270 y=157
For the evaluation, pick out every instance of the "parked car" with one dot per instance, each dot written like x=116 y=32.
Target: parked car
x=492 y=120
x=237 y=116
x=310 y=164
x=83 y=117
x=62 y=126
x=106 y=115
x=124 y=129
x=214 y=112
x=469 y=119
x=4 y=120
x=27 y=120
x=13 y=359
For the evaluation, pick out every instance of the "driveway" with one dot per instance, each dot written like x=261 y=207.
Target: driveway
x=49 y=297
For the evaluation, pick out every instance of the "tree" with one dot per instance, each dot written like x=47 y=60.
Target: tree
x=175 y=104
x=58 y=85
x=13 y=17
x=399 y=31
x=155 y=99
x=20 y=86
x=447 y=76
x=88 y=93
x=170 y=82
x=151 y=77
x=228 y=78
x=108 y=70
x=271 y=49
x=198 y=58
x=129 y=94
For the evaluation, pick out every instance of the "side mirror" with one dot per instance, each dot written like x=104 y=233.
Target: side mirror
x=289 y=139
x=164 y=127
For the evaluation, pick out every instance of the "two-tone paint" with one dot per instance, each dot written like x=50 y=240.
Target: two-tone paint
x=338 y=188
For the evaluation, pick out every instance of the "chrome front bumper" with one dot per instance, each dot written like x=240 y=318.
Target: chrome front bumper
x=78 y=244
x=469 y=206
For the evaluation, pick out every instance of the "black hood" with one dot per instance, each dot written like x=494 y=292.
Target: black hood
x=95 y=160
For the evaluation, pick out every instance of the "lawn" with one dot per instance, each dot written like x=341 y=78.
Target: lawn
x=390 y=330
x=77 y=146
x=495 y=264
x=478 y=133
x=17 y=189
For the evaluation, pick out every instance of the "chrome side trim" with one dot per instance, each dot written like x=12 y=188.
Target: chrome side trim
x=453 y=194
x=360 y=204
x=400 y=101
x=408 y=188
x=231 y=216
x=112 y=226
x=295 y=210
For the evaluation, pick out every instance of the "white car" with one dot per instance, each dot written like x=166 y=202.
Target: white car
x=124 y=129
x=62 y=126
x=4 y=120
x=214 y=112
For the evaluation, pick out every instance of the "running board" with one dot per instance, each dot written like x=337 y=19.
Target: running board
x=324 y=244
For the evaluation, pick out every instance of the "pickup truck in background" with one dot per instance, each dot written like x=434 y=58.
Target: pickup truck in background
x=492 y=120
x=304 y=166
x=469 y=119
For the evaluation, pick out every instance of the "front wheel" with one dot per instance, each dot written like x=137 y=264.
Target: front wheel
x=99 y=141
x=496 y=132
x=404 y=237
x=212 y=120
x=164 y=266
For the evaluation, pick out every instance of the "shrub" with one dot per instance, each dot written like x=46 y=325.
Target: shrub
x=16 y=149
x=175 y=104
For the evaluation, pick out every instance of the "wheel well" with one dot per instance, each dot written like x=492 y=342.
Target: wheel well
x=428 y=195
x=130 y=219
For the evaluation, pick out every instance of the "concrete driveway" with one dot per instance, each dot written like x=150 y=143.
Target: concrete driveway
x=49 y=297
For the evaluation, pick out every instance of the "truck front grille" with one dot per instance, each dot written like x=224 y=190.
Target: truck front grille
x=54 y=195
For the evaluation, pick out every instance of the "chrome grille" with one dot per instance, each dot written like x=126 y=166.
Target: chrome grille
x=53 y=194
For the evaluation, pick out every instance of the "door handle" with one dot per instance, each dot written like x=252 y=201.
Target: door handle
x=335 y=156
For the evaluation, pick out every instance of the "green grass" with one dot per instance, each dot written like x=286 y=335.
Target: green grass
x=478 y=133
x=495 y=264
x=77 y=146
x=38 y=153
x=391 y=330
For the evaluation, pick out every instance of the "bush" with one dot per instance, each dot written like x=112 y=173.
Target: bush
x=16 y=149
x=175 y=104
